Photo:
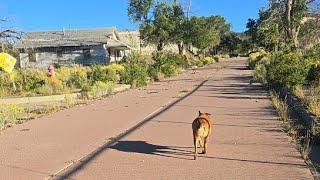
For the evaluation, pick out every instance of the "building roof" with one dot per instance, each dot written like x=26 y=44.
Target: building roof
x=84 y=37
x=131 y=38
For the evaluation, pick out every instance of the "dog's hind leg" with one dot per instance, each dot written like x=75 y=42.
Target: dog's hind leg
x=200 y=145
x=195 y=142
x=206 y=140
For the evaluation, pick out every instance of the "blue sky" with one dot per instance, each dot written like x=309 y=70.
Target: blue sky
x=37 y=15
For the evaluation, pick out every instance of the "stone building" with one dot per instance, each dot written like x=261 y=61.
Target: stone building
x=70 y=47
x=132 y=38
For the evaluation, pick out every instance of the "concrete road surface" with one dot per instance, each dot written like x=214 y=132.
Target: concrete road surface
x=146 y=134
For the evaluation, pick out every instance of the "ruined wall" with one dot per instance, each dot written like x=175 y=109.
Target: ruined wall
x=99 y=55
x=150 y=48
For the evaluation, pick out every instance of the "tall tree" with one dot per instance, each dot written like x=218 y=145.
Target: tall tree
x=295 y=11
x=8 y=36
x=279 y=25
x=252 y=28
x=139 y=10
x=162 y=23
x=160 y=30
x=201 y=34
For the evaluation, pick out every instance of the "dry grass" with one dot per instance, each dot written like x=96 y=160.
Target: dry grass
x=305 y=147
x=72 y=101
x=313 y=100
x=298 y=91
x=280 y=106
x=310 y=99
x=12 y=114
x=283 y=111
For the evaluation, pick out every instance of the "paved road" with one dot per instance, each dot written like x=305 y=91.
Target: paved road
x=247 y=141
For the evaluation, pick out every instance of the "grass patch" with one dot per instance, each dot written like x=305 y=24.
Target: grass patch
x=280 y=106
x=283 y=112
x=44 y=109
x=313 y=100
x=12 y=114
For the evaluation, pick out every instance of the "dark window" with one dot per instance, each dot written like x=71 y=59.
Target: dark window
x=59 y=54
x=86 y=53
x=32 y=57
x=118 y=53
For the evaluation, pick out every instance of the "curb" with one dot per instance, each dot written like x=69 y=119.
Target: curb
x=54 y=98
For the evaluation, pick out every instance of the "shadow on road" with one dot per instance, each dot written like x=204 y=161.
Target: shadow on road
x=185 y=153
x=144 y=147
x=68 y=172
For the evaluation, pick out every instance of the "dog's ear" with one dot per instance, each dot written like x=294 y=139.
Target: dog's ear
x=200 y=113
x=208 y=114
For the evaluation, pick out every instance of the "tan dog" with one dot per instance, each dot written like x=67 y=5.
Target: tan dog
x=201 y=128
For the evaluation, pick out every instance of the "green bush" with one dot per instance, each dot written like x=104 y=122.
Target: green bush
x=207 y=60
x=314 y=72
x=224 y=56
x=155 y=74
x=52 y=86
x=101 y=88
x=234 y=54
x=77 y=79
x=260 y=70
x=169 y=70
x=287 y=69
x=65 y=74
x=118 y=68
x=102 y=73
x=7 y=81
x=260 y=73
x=199 y=63
x=135 y=74
x=255 y=57
x=216 y=58
x=168 y=64
x=178 y=60
x=33 y=79
x=136 y=71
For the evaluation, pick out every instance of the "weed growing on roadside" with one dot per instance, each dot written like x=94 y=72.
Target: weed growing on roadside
x=11 y=114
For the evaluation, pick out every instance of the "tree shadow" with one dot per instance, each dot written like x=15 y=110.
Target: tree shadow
x=79 y=165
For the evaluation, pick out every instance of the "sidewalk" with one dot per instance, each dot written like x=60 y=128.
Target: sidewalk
x=247 y=140
x=42 y=147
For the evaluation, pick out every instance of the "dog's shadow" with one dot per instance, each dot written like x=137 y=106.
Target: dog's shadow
x=184 y=153
x=144 y=147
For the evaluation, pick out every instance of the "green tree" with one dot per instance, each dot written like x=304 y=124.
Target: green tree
x=160 y=30
x=161 y=26
x=310 y=33
x=230 y=43
x=139 y=10
x=252 y=31
x=204 y=34
x=162 y=23
x=279 y=25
